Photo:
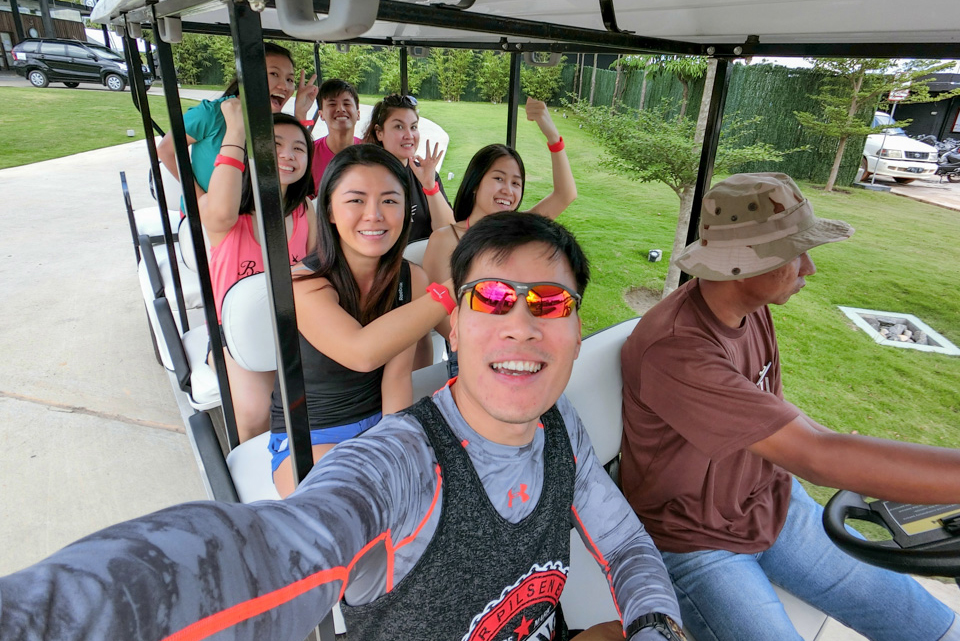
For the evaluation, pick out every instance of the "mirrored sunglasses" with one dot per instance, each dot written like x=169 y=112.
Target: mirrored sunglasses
x=545 y=300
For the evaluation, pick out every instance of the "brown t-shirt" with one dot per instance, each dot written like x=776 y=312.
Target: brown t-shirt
x=691 y=407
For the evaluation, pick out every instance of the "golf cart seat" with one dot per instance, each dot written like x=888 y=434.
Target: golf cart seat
x=154 y=284
x=186 y=357
x=185 y=240
x=414 y=254
x=248 y=333
x=595 y=389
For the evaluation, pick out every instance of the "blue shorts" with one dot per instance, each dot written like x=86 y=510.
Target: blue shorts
x=280 y=447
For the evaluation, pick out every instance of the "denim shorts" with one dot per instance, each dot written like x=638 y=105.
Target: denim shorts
x=279 y=445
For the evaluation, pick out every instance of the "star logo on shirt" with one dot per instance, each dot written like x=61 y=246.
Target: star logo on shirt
x=523 y=629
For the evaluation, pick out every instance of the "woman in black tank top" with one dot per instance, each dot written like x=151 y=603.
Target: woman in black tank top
x=360 y=307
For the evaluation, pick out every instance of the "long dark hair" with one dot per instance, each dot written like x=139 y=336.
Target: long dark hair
x=332 y=264
x=479 y=166
x=381 y=111
x=298 y=192
x=269 y=49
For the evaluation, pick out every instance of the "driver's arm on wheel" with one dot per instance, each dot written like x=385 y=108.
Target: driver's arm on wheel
x=880 y=468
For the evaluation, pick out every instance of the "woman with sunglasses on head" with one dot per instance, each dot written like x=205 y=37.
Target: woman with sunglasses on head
x=394 y=125
x=226 y=213
x=494 y=182
x=360 y=306
x=205 y=126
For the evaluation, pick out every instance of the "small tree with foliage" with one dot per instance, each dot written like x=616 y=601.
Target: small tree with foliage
x=388 y=60
x=542 y=83
x=454 y=69
x=493 y=76
x=857 y=84
x=686 y=69
x=351 y=65
x=190 y=56
x=652 y=145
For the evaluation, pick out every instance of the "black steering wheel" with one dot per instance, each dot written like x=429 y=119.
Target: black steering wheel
x=930 y=558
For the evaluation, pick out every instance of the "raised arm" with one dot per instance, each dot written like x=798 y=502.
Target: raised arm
x=220 y=206
x=613 y=534
x=441 y=213
x=168 y=156
x=891 y=470
x=436 y=263
x=306 y=96
x=270 y=570
x=564 y=187
x=362 y=348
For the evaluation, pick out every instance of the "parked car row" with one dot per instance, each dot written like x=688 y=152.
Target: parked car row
x=46 y=60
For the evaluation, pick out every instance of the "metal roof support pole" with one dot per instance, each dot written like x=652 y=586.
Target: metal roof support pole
x=258 y=120
x=711 y=141
x=185 y=170
x=513 y=99
x=106 y=35
x=17 y=21
x=148 y=52
x=317 y=67
x=138 y=88
x=404 y=80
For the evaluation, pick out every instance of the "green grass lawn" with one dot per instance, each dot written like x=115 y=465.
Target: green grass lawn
x=904 y=257
x=39 y=124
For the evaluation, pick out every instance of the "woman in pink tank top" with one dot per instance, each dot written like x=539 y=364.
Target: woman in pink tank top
x=226 y=214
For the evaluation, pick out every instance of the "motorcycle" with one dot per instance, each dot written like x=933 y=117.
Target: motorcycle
x=949 y=165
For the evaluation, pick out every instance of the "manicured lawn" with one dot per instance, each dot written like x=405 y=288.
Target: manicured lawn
x=39 y=124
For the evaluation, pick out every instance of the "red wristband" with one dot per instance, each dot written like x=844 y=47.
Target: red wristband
x=557 y=146
x=307 y=123
x=227 y=160
x=440 y=294
x=436 y=188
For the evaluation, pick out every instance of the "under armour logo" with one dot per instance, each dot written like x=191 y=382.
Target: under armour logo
x=522 y=495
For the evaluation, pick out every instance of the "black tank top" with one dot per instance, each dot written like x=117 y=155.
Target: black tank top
x=481 y=577
x=337 y=395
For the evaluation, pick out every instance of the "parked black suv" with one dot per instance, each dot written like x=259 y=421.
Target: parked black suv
x=42 y=60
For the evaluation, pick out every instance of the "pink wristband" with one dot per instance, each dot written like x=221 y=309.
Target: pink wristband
x=227 y=160
x=440 y=294
x=557 y=146
x=436 y=188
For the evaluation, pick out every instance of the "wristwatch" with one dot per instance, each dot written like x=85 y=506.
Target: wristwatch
x=659 y=622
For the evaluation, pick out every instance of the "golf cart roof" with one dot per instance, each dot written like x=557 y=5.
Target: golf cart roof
x=744 y=27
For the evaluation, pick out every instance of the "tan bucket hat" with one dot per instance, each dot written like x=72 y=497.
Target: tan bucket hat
x=751 y=224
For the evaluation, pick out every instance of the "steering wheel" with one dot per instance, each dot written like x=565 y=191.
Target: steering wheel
x=936 y=558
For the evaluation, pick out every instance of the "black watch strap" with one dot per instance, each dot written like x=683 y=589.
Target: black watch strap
x=659 y=622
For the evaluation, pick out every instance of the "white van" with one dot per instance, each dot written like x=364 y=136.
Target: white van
x=893 y=153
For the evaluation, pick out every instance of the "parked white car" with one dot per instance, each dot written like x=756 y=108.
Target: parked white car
x=893 y=153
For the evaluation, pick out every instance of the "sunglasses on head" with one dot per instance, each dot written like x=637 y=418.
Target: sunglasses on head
x=395 y=100
x=497 y=296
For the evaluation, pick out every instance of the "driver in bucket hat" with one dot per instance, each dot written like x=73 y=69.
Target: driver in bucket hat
x=751 y=224
x=710 y=446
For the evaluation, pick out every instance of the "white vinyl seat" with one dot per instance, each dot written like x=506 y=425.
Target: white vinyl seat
x=185 y=241
x=186 y=357
x=414 y=254
x=154 y=261
x=595 y=389
x=149 y=221
x=415 y=250
x=171 y=188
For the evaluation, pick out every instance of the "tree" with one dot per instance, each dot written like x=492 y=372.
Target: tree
x=388 y=60
x=454 y=69
x=542 y=83
x=493 y=76
x=857 y=84
x=351 y=65
x=190 y=56
x=686 y=69
x=653 y=145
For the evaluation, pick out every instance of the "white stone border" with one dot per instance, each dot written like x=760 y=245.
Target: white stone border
x=854 y=314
